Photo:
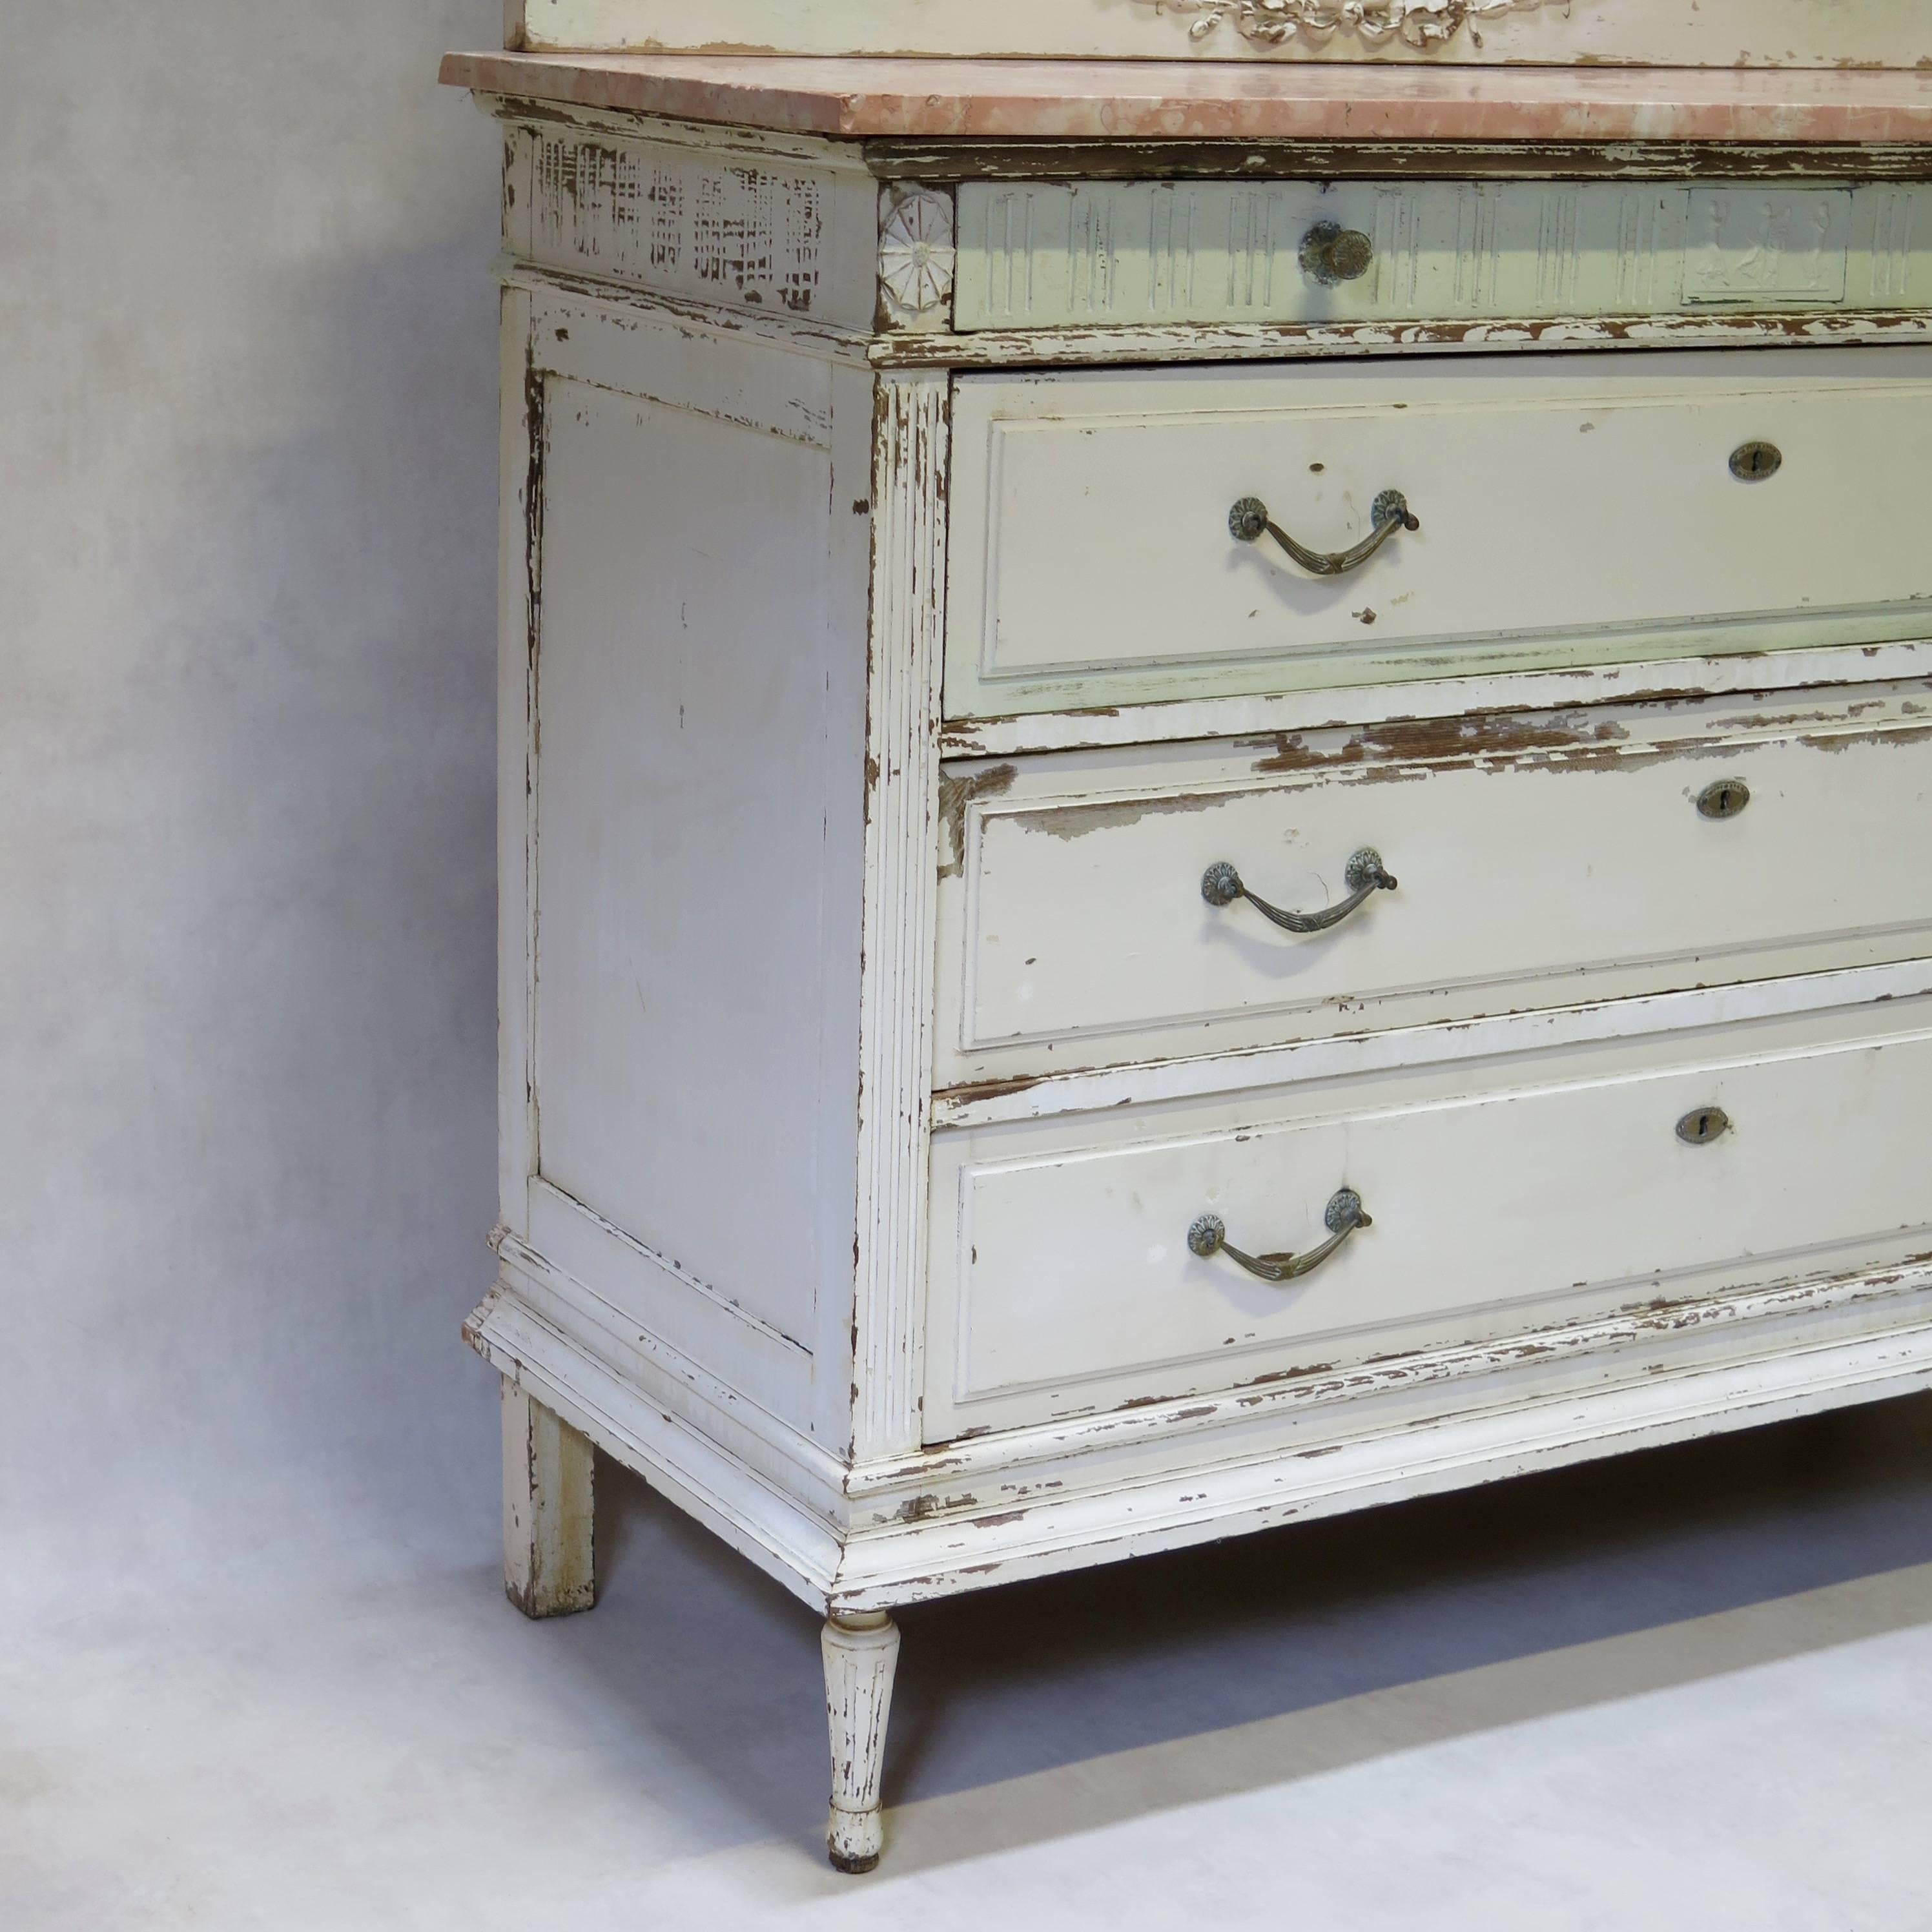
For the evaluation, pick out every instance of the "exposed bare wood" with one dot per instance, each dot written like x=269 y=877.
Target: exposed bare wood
x=1053 y=957
x=901 y=778
x=950 y=161
x=549 y=1565
x=1675 y=680
x=1124 y=345
x=862 y=1651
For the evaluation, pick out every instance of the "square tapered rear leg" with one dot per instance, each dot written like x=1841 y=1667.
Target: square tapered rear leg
x=549 y=1549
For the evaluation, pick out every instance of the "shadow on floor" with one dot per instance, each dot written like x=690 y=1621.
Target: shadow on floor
x=1015 y=1682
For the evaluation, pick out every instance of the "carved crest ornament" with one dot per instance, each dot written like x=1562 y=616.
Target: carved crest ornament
x=1420 y=23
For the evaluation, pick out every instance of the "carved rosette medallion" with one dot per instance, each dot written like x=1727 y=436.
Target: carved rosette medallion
x=1418 y=23
x=917 y=257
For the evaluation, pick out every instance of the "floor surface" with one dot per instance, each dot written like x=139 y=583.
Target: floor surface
x=1691 y=1688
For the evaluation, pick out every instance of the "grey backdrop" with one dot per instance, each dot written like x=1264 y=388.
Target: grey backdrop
x=258 y=1671
x=246 y=866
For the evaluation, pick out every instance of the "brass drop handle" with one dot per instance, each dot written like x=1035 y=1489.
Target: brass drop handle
x=1344 y=1214
x=1364 y=874
x=1249 y=522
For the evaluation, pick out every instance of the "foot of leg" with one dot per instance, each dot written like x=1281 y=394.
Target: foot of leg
x=549 y=1563
x=862 y=1649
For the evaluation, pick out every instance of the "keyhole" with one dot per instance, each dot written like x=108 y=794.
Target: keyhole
x=1702 y=1125
x=1754 y=462
x=1724 y=800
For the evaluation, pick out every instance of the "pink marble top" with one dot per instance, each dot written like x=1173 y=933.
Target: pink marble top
x=1220 y=100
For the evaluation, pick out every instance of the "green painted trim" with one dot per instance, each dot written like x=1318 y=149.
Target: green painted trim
x=1051 y=255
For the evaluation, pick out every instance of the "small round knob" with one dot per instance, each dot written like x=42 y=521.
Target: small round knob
x=1331 y=254
x=1206 y=1234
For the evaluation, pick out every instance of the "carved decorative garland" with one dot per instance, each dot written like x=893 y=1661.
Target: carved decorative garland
x=1421 y=23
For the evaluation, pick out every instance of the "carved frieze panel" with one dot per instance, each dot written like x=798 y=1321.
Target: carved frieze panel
x=1768 y=249
x=734 y=231
x=725 y=224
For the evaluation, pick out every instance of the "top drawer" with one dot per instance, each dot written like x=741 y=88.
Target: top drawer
x=1096 y=254
x=1571 y=511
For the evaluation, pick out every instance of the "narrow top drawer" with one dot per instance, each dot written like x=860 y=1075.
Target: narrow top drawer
x=1086 y=254
x=1566 y=512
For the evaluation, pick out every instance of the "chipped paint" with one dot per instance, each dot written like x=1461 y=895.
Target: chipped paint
x=1397 y=160
x=956 y=792
x=1068 y=822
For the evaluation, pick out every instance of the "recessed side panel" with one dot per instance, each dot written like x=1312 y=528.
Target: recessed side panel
x=696 y=827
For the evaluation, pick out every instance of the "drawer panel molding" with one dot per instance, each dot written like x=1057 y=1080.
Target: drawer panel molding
x=1541 y=861
x=1505 y=1197
x=1094 y=558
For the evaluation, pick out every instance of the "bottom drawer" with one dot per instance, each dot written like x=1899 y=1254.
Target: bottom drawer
x=1504 y=1195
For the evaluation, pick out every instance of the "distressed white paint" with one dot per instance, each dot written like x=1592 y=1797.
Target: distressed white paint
x=892 y=1345
x=1719 y=33
x=681 y=768
x=789 y=237
x=901 y=777
x=1542 y=859
x=710 y=217
x=1055 y=255
x=1678 y=680
x=862 y=1651
x=1104 y=1487
x=1121 y=344
x=1506 y=1196
x=1327 y=1056
x=692 y=722
x=1574 y=513
x=550 y=1566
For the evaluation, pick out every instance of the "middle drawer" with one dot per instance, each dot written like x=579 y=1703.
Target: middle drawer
x=1086 y=919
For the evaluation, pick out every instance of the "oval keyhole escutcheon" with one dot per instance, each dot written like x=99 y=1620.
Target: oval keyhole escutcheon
x=1703 y=1125
x=1756 y=462
x=1724 y=800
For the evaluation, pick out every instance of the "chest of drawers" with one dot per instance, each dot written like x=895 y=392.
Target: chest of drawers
x=1209 y=814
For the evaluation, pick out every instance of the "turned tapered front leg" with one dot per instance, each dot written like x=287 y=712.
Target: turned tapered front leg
x=549 y=1556
x=861 y=1648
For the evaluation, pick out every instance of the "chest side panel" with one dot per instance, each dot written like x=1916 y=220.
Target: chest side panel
x=694 y=820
